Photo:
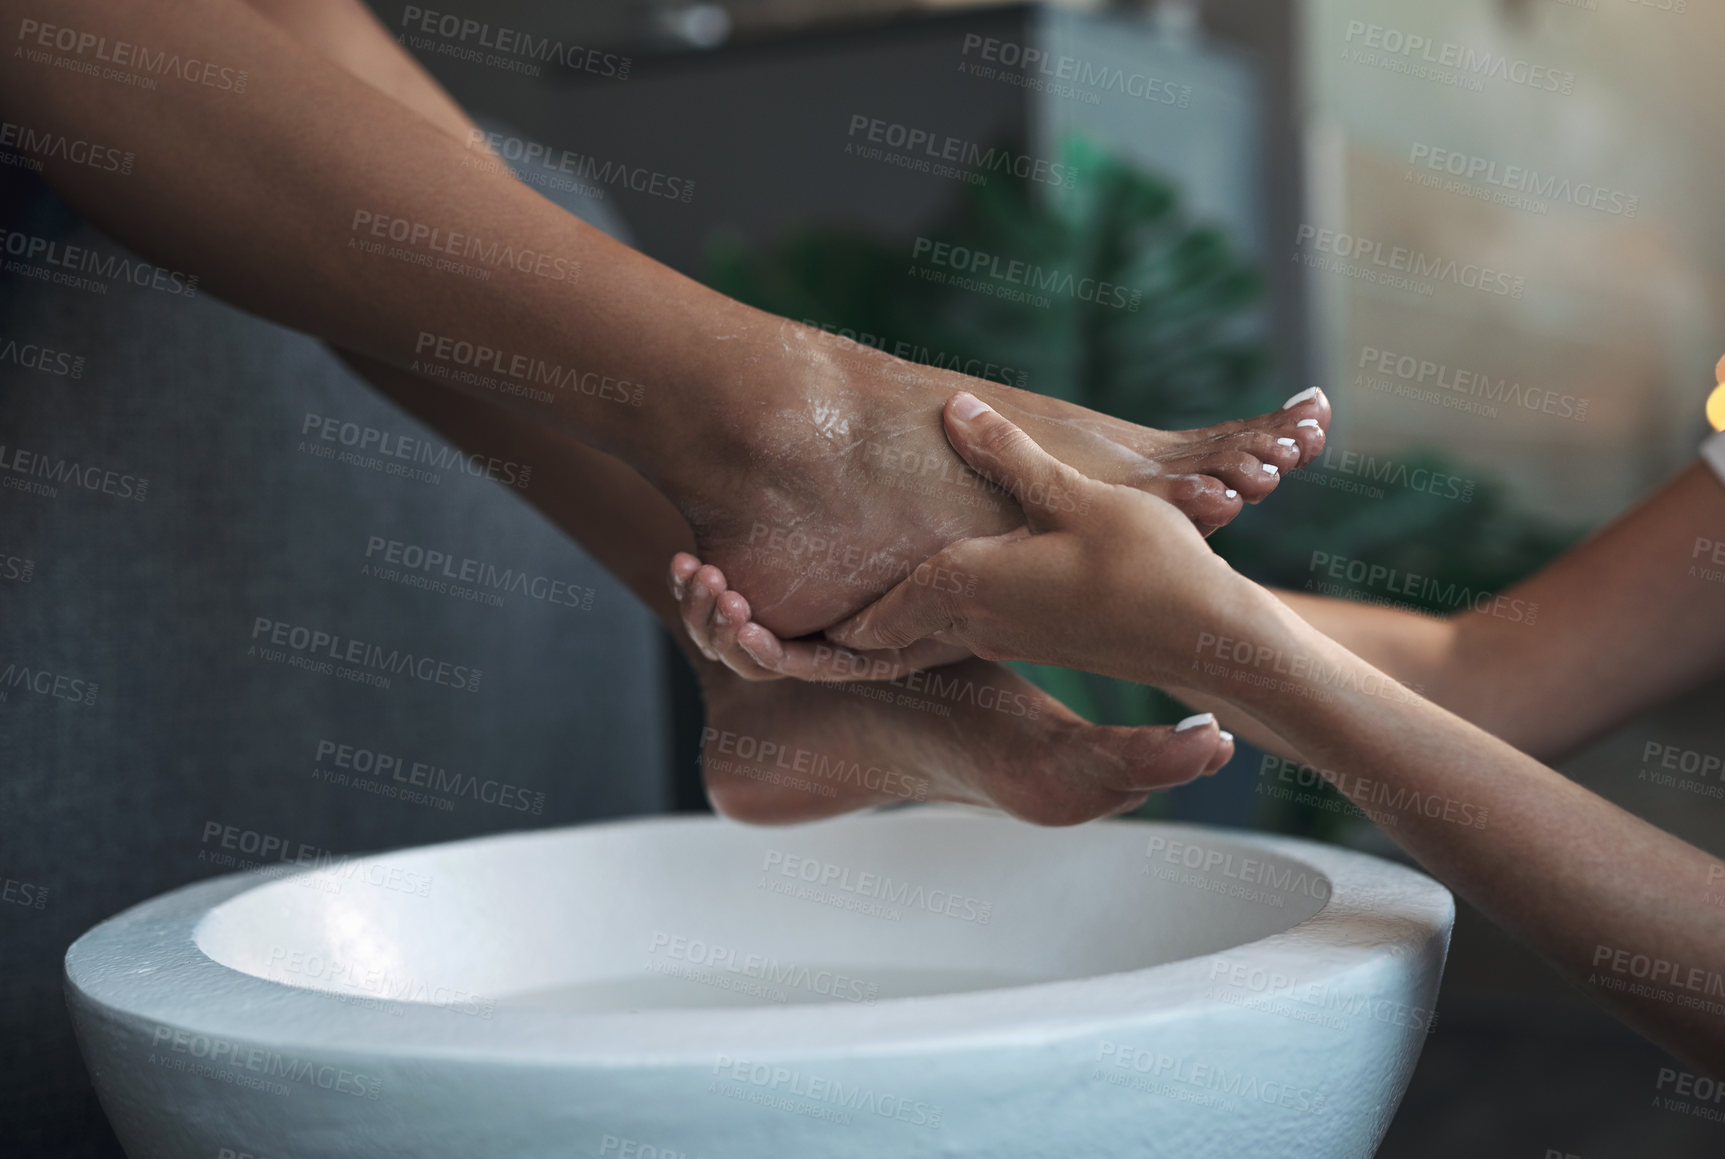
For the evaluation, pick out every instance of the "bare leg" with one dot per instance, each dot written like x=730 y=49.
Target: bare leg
x=313 y=198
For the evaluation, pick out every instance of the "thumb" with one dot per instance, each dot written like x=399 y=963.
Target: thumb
x=1049 y=491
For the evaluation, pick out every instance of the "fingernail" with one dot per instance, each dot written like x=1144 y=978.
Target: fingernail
x=1307 y=423
x=1197 y=721
x=967 y=406
x=1309 y=392
x=1286 y=443
x=1272 y=469
x=1231 y=493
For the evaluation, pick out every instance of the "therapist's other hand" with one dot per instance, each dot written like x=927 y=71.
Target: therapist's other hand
x=720 y=624
x=1102 y=578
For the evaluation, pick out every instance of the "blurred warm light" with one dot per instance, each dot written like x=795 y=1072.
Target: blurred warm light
x=1716 y=407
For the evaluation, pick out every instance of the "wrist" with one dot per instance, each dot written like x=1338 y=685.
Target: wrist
x=1256 y=652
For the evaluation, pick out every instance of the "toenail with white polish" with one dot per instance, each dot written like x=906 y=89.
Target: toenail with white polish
x=1231 y=493
x=1227 y=736
x=1286 y=443
x=1271 y=469
x=1307 y=423
x=1196 y=721
x=719 y=618
x=1309 y=392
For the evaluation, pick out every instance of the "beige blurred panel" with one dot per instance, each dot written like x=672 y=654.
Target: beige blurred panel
x=1503 y=380
x=1624 y=310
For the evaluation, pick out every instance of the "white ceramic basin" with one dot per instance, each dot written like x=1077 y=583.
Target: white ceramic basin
x=916 y=983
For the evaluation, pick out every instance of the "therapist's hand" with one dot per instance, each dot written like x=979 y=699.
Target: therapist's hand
x=1103 y=578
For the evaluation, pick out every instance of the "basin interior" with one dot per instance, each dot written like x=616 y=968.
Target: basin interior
x=698 y=914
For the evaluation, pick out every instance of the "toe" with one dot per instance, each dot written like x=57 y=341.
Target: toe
x=1244 y=472
x=1305 y=418
x=1274 y=447
x=1164 y=757
x=1206 y=500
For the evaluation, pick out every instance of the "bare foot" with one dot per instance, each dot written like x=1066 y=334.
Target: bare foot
x=840 y=483
x=972 y=732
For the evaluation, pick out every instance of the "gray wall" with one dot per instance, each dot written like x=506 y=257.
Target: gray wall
x=104 y=804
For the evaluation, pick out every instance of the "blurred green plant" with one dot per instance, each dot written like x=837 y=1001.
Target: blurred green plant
x=1191 y=354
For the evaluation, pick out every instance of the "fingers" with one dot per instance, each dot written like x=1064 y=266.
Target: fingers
x=713 y=615
x=820 y=661
x=719 y=623
x=907 y=613
x=1047 y=489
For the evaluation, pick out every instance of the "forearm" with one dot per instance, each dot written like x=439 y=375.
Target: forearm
x=1417 y=650
x=1584 y=882
x=1626 y=620
x=598 y=501
x=315 y=200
